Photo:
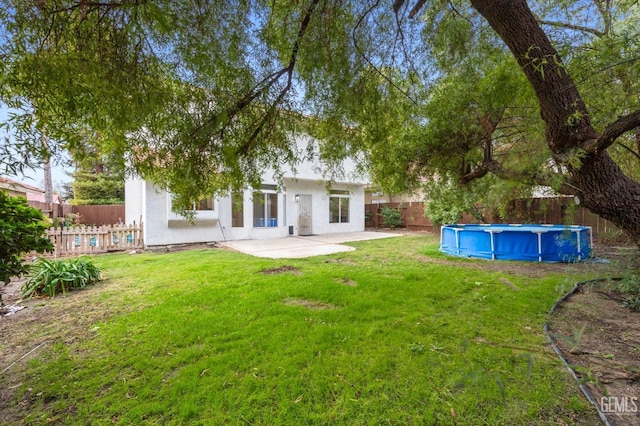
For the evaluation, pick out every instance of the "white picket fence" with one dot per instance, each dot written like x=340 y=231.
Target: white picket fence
x=76 y=240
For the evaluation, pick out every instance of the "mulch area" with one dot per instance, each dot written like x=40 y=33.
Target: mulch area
x=600 y=339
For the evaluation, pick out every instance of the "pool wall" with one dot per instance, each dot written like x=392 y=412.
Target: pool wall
x=537 y=243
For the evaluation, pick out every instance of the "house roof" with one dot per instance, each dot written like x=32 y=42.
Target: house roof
x=13 y=185
x=40 y=198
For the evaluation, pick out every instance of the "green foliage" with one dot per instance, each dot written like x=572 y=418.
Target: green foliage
x=632 y=303
x=98 y=178
x=21 y=230
x=628 y=286
x=447 y=201
x=392 y=217
x=52 y=277
x=485 y=199
x=91 y=188
x=204 y=100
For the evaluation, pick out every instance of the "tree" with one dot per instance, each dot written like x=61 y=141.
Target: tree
x=595 y=178
x=203 y=96
x=90 y=188
x=21 y=230
x=98 y=178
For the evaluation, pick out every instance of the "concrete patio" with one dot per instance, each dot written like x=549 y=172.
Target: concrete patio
x=294 y=247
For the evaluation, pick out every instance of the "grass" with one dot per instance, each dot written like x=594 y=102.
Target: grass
x=387 y=334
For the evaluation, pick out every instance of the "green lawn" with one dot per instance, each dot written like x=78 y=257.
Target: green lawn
x=393 y=333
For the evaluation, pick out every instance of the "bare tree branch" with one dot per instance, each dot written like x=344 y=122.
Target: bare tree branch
x=569 y=26
x=267 y=83
x=419 y=4
x=613 y=131
x=604 y=7
x=635 y=154
x=366 y=58
x=397 y=4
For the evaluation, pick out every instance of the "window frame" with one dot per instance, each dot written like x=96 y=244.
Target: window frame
x=266 y=193
x=342 y=197
x=200 y=217
x=237 y=210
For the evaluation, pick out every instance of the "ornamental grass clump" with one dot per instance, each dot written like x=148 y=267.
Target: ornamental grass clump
x=52 y=277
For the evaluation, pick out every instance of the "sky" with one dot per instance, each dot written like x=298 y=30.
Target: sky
x=35 y=177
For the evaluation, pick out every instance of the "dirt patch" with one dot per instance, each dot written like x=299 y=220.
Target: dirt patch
x=346 y=281
x=527 y=269
x=608 y=260
x=309 y=304
x=341 y=261
x=182 y=247
x=601 y=339
x=32 y=332
x=281 y=270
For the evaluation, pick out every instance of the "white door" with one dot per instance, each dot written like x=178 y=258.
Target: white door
x=304 y=215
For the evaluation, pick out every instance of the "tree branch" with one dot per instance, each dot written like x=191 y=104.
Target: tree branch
x=635 y=154
x=267 y=83
x=605 y=11
x=244 y=149
x=362 y=54
x=569 y=26
x=613 y=131
x=397 y=4
x=419 y=4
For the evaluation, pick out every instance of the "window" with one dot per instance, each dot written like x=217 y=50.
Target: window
x=237 y=210
x=265 y=207
x=339 y=206
x=206 y=204
x=203 y=211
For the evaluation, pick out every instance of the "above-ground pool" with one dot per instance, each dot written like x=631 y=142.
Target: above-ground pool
x=537 y=243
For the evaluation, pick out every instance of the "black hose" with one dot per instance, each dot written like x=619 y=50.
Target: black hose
x=555 y=347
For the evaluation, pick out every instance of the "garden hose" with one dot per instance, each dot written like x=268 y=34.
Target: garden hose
x=555 y=347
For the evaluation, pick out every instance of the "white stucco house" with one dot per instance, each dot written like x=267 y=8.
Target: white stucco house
x=305 y=204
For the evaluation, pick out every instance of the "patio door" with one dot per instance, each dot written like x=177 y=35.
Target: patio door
x=304 y=215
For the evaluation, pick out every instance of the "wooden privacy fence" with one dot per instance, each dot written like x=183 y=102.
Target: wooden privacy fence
x=561 y=210
x=413 y=217
x=97 y=215
x=95 y=239
x=51 y=210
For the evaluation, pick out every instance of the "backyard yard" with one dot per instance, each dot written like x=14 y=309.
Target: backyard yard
x=392 y=333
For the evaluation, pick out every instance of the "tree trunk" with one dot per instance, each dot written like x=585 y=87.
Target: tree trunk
x=48 y=183
x=599 y=183
x=607 y=192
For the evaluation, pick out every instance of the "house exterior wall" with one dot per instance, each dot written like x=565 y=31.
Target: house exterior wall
x=134 y=200
x=163 y=227
x=320 y=205
x=18 y=189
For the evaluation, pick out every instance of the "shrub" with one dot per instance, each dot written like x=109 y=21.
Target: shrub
x=21 y=231
x=632 y=303
x=392 y=217
x=628 y=286
x=51 y=277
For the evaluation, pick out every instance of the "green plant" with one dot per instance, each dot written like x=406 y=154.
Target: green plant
x=52 y=277
x=629 y=286
x=632 y=303
x=21 y=231
x=367 y=215
x=392 y=217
